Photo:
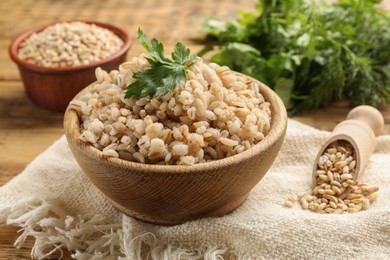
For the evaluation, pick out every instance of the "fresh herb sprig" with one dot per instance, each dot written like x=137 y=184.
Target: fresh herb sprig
x=164 y=74
x=310 y=52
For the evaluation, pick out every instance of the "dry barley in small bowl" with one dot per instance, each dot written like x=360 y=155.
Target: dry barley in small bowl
x=57 y=60
x=69 y=44
x=216 y=114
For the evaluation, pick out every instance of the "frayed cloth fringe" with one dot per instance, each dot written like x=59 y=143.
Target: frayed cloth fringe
x=90 y=237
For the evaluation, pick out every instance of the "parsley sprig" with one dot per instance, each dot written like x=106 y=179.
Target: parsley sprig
x=164 y=74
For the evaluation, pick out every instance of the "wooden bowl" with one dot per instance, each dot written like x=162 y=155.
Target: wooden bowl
x=173 y=194
x=52 y=88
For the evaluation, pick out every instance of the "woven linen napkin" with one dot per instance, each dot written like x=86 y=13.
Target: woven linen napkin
x=53 y=201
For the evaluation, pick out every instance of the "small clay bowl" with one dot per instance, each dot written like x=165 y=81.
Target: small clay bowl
x=52 y=88
x=173 y=194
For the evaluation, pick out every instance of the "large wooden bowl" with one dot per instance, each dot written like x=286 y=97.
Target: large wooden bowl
x=173 y=194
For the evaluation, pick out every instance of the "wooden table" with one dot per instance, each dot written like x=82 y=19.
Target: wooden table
x=26 y=130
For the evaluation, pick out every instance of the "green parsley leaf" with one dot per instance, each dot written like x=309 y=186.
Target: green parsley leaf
x=164 y=74
x=181 y=54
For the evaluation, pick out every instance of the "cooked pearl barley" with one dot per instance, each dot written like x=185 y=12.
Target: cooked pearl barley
x=180 y=149
x=111 y=153
x=215 y=115
x=338 y=158
x=70 y=44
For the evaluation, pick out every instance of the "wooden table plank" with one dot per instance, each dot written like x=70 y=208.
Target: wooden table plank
x=8 y=252
x=327 y=118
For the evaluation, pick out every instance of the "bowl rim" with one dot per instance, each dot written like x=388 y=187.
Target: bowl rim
x=277 y=130
x=15 y=43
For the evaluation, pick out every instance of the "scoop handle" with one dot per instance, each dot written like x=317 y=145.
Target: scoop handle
x=361 y=126
x=370 y=116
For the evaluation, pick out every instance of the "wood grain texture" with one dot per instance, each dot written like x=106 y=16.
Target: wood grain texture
x=26 y=130
x=173 y=194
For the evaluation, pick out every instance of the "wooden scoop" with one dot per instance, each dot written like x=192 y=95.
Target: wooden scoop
x=362 y=125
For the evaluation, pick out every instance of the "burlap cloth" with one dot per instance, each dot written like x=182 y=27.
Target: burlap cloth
x=53 y=201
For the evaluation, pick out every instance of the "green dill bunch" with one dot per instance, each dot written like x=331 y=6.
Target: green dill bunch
x=310 y=53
